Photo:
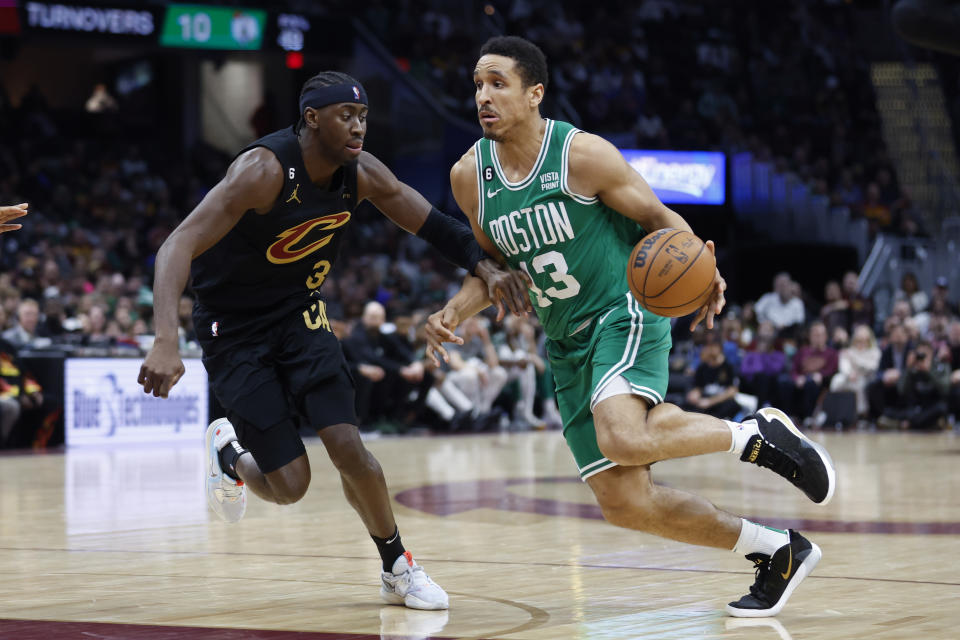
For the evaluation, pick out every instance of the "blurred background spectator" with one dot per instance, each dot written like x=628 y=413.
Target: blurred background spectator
x=813 y=367
x=781 y=307
x=857 y=367
x=715 y=383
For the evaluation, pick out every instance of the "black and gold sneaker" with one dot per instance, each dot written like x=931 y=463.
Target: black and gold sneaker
x=782 y=448
x=777 y=576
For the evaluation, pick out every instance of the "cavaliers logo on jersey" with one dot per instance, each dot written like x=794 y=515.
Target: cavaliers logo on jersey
x=286 y=249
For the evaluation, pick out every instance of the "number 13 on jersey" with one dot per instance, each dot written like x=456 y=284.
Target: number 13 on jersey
x=555 y=264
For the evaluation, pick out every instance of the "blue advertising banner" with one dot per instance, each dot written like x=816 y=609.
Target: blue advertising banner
x=682 y=177
x=104 y=404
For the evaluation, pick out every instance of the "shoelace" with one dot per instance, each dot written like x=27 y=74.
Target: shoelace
x=784 y=463
x=231 y=492
x=761 y=569
x=415 y=577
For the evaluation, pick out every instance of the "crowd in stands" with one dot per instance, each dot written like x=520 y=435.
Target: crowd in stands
x=784 y=81
x=826 y=367
x=77 y=278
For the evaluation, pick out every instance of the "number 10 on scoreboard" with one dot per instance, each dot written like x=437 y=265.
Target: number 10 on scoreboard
x=211 y=27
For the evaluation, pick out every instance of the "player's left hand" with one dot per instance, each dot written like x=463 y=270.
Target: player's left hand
x=715 y=303
x=505 y=287
x=440 y=328
x=10 y=213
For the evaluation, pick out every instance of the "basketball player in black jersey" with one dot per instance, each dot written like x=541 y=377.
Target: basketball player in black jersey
x=261 y=243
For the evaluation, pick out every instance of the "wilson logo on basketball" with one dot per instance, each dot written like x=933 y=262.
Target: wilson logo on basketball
x=648 y=243
x=285 y=249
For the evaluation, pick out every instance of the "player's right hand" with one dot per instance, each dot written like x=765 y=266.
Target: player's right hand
x=506 y=288
x=161 y=369
x=10 y=213
x=439 y=329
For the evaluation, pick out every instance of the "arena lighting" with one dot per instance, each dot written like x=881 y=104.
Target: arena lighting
x=294 y=60
x=681 y=177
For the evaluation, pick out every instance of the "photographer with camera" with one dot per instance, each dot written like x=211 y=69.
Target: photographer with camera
x=923 y=389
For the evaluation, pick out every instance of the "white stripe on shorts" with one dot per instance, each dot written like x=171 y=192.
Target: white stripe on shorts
x=647 y=392
x=629 y=352
x=607 y=465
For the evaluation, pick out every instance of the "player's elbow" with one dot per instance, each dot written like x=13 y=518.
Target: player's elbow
x=178 y=243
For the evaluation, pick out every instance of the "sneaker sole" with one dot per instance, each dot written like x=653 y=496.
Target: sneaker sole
x=411 y=602
x=785 y=420
x=805 y=568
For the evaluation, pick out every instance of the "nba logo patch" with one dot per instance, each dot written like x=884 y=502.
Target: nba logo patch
x=356 y=93
x=215 y=329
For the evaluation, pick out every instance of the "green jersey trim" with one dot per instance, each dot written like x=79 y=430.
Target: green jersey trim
x=528 y=180
x=565 y=170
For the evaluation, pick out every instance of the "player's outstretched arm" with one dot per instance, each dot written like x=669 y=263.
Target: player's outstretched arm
x=412 y=212
x=474 y=295
x=597 y=168
x=253 y=181
x=12 y=212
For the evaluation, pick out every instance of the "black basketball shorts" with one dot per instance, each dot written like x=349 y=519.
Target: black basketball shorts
x=273 y=377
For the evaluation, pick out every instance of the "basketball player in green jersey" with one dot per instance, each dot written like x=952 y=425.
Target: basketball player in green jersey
x=564 y=207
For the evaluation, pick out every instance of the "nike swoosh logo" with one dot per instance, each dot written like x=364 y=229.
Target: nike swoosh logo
x=786 y=575
x=604 y=317
x=490 y=194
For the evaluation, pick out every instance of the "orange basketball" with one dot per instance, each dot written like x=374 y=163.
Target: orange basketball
x=671 y=272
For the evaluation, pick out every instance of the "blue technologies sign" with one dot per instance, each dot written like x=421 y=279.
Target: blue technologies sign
x=104 y=404
x=682 y=177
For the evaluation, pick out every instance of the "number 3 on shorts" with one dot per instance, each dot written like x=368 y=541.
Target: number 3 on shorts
x=559 y=275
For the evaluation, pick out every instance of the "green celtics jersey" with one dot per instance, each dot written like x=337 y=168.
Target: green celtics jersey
x=574 y=248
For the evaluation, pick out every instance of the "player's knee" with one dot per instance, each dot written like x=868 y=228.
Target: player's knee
x=624 y=443
x=347 y=452
x=290 y=488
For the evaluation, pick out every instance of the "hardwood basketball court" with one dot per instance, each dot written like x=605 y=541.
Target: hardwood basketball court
x=119 y=543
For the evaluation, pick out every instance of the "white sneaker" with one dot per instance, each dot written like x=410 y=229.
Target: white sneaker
x=226 y=496
x=408 y=584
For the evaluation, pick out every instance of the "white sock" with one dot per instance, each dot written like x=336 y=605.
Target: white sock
x=741 y=432
x=756 y=538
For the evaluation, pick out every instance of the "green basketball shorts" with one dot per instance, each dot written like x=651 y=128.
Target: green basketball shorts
x=622 y=341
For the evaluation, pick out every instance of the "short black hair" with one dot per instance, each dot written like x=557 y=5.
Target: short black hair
x=324 y=79
x=530 y=61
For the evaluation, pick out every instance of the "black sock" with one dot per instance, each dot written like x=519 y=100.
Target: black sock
x=229 y=456
x=390 y=549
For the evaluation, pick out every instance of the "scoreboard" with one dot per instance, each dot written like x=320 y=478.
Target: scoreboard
x=177 y=25
x=208 y=27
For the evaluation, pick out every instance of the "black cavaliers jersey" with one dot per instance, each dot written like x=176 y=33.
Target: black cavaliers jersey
x=273 y=264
